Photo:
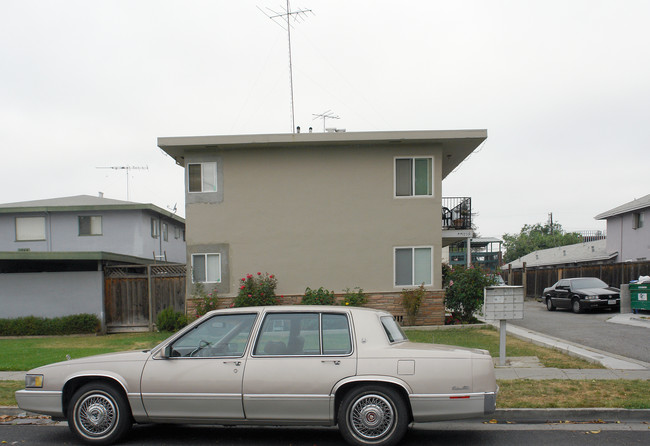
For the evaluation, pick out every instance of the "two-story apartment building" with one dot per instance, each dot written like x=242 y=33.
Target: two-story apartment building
x=53 y=252
x=338 y=210
x=628 y=230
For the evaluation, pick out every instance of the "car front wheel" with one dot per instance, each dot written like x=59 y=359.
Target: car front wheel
x=373 y=415
x=99 y=414
x=549 y=304
x=575 y=306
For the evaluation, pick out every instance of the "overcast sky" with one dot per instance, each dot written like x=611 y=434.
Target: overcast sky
x=562 y=87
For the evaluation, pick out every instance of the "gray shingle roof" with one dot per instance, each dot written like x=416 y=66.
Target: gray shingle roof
x=562 y=255
x=634 y=205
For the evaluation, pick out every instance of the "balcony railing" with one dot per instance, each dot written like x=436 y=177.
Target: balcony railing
x=456 y=213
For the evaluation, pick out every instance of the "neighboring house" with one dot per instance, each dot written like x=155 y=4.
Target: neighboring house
x=486 y=252
x=588 y=253
x=628 y=230
x=338 y=210
x=53 y=252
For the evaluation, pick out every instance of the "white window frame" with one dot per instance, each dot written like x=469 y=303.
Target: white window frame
x=431 y=178
x=412 y=248
x=91 y=234
x=32 y=222
x=212 y=165
x=155 y=227
x=165 y=232
x=205 y=263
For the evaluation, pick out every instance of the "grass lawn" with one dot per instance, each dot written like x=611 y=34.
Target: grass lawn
x=569 y=394
x=487 y=338
x=29 y=352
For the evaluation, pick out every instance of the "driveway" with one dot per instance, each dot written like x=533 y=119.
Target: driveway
x=588 y=329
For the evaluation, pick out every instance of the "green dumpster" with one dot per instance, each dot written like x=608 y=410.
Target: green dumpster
x=639 y=296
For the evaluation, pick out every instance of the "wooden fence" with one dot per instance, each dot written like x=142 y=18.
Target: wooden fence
x=135 y=294
x=534 y=280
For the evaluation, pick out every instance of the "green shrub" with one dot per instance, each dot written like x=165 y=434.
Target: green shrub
x=464 y=294
x=205 y=301
x=39 y=326
x=170 y=320
x=411 y=300
x=318 y=297
x=256 y=290
x=354 y=298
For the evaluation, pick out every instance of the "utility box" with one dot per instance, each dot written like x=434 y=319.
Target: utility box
x=503 y=303
x=639 y=296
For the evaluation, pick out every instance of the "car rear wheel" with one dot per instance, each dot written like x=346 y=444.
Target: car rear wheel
x=575 y=306
x=99 y=414
x=549 y=304
x=373 y=415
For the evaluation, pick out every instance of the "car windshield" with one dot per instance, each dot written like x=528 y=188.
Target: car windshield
x=590 y=282
x=392 y=329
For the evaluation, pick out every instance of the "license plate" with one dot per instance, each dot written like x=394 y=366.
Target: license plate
x=612 y=301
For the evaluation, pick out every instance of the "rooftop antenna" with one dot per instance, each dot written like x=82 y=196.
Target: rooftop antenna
x=325 y=115
x=127 y=168
x=285 y=23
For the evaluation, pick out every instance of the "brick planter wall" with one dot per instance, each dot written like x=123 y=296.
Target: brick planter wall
x=432 y=310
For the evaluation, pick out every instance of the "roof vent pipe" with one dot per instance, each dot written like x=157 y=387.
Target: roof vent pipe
x=298 y=129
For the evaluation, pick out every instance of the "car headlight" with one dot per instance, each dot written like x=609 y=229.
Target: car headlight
x=33 y=381
x=591 y=297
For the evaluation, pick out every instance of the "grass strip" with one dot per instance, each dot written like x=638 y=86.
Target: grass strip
x=571 y=394
x=487 y=338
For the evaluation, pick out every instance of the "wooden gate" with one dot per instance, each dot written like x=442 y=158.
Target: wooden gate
x=135 y=294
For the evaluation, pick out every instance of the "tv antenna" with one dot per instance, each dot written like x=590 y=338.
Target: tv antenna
x=325 y=115
x=127 y=168
x=284 y=21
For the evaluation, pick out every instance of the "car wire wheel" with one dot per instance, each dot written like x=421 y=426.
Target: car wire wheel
x=372 y=416
x=96 y=414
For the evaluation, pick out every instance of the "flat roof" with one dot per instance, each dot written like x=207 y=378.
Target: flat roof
x=456 y=144
x=75 y=256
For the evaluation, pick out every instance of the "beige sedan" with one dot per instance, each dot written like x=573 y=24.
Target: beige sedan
x=282 y=365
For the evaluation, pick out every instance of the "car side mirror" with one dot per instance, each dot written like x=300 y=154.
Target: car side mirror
x=166 y=352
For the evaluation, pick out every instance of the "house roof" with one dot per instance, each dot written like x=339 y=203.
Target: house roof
x=634 y=205
x=82 y=203
x=578 y=253
x=74 y=256
x=456 y=144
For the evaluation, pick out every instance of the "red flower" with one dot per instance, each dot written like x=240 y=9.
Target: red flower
x=250 y=295
x=242 y=287
x=271 y=276
x=259 y=273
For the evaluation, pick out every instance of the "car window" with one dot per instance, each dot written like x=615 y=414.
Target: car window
x=336 y=335
x=588 y=282
x=222 y=335
x=392 y=329
x=289 y=334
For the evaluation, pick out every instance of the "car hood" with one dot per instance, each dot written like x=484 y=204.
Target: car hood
x=99 y=360
x=597 y=291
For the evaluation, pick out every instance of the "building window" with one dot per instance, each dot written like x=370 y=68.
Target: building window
x=413 y=266
x=413 y=177
x=638 y=220
x=90 y=225
x=206 y=268
x=165 y=231
x=177 y=232
x=155 y=228
x=30 y=228
x=202 y=177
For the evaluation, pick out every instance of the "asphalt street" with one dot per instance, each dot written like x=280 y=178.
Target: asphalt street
x=590 y=329
x=439 y=434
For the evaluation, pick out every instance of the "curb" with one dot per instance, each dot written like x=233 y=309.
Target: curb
x=529 y=416
x=534 y=416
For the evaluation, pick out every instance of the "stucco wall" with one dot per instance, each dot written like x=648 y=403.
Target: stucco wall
x=316 y=216
x=631 y=244
x=50 y=294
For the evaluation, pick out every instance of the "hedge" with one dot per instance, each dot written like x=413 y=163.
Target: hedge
x=40 y=326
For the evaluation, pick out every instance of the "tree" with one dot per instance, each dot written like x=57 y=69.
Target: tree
x=535 y=237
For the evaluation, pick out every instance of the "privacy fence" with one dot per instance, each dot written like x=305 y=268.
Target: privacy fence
x=535 y=279
x=135 y=294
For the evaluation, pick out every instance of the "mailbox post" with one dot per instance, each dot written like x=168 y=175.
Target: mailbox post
x=500 y=304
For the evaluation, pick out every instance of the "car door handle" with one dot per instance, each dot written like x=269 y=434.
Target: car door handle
x=336 y=362
x=237 y=363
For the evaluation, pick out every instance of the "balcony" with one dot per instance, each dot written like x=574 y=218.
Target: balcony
x=456 y=219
